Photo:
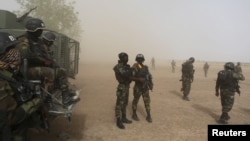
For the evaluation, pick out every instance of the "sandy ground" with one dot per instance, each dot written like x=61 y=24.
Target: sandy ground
x=173 y=118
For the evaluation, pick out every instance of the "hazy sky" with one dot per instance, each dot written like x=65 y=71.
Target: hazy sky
x=210 y=30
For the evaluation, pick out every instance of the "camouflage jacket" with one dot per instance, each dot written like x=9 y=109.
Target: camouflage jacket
x=122 y=73
x=228 y=79
x=188 y=70
x=141 y=71
x=35 y=51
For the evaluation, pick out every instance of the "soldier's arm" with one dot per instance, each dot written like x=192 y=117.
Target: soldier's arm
x=217 y=86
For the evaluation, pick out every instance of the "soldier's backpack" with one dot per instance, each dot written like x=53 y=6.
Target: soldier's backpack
x=226 y=78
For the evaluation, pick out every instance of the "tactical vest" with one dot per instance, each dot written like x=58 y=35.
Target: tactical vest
x=31 y=50
x=187 y=70
x=226 y=80
x=143 y=72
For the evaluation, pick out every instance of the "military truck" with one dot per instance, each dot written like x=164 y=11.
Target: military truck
x=65 y=49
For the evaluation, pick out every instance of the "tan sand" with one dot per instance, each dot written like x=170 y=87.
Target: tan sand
x=173 y=118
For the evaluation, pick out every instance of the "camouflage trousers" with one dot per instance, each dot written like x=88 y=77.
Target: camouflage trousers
x=61 y=78
x=7 y=102
x=10 y=113
x=186 y=86
x=51 y=77
x=7 y=105
x=227 y=100
x=122 y=94
x=138 y=92
x=45 y=74
x=23 y=119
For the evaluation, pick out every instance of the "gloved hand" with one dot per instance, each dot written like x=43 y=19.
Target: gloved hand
x=217 y=93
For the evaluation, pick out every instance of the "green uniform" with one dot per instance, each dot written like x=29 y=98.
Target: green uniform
x=187 y=77
x=38 y=67
x=142 y=89
x=226 y=84
x=122 y=73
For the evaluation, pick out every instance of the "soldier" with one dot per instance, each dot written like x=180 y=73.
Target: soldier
x=61 y=76
x=226 y=86
x=30 y=47
x=153 y=63
x=187 y=77
x=238 y=68
x=122 y=73
x=173 y=64
x=13 y=113
x=39 y=60
x=143 y=83
x=9 y=58
x=205 y=68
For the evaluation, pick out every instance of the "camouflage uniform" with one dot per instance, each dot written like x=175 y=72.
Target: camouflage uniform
x=29 y=46
x=205 y=68
x=187 y=77
x=141 y=88
x=238 y=68
x=173 y=65
x=122 y=74
x=226 y=84
x=7 y=106
x=13 y=113
x=37 y=66
x=61 y=76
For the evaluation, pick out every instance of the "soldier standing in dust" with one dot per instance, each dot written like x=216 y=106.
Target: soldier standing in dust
x=122 y=74
x=143 y=83
x=238 y=68
x=187 y=77
x=205 y=68
x=153 y=63
x=173 y=66
x=226 y=86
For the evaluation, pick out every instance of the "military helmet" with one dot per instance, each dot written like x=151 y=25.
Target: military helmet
x=229 y=66
x=191 y=59
x=122 y=55
x=49 y=36
x=33 y=24
x=139 y=57
x=6 y=41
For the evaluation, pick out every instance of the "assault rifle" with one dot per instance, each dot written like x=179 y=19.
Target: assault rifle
x=20 y=19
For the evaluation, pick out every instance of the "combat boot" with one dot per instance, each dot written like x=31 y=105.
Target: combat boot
x=149 y=118
x=134 y=116
x=223 y=118
x=125 y=120
x=67 y=99
x=186 y=98
x=227 y=117
x=119 y=123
